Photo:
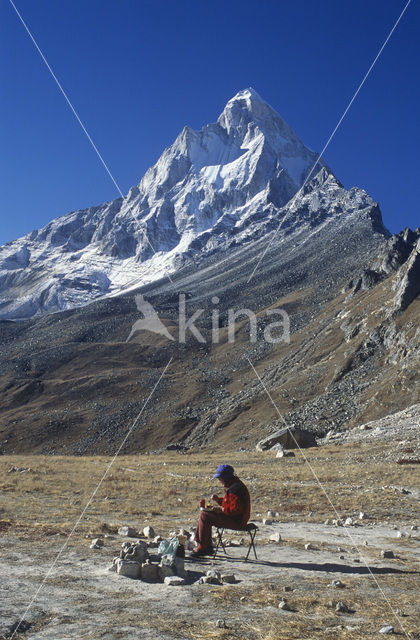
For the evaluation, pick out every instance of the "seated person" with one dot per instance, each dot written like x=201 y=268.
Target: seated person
x=232 y=513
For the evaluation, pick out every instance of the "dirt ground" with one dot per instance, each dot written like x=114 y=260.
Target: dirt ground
x=43 y=497
x=81 y=599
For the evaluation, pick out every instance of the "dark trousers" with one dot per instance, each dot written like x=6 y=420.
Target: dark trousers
x=209 y=519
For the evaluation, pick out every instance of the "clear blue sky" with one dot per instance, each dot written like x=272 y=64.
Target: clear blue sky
x=138 y=71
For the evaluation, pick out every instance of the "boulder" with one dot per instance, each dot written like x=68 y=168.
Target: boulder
x=138 y=552
x=289 y=438
x=129 y=568
x=169 y=566
x=149 y=572
x=165 y=571
x=149 y=532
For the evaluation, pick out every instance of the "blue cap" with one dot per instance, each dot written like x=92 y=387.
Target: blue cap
x=224 y=471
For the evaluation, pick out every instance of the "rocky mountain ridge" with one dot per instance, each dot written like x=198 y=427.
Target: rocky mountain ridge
x=72 y=382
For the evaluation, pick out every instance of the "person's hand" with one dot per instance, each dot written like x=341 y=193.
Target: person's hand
x=214 y=497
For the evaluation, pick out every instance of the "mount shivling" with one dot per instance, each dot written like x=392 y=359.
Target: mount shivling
x=204 y=215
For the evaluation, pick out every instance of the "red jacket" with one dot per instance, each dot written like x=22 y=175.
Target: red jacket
x=236 y=502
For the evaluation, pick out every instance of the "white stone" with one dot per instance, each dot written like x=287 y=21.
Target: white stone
x=275 y=537
x=388 y=629
x=282 y=453
x=174 y=581
x=128 y=568
x=235 y=542
x=283 y=605
x=309 y=547
x=213 y=576
x=130 y=532
x=267 y=521
x=348 y=522
x=338 y=584
x=149 y=532
x=98 y=541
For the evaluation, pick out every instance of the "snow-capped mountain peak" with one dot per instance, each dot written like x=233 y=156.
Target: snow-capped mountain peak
x=226 y=183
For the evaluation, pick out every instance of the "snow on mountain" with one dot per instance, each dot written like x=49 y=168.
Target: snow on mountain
x=228 y=183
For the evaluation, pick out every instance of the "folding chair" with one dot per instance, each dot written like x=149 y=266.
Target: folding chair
x=250 y=528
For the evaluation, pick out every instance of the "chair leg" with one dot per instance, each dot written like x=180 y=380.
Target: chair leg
x=219 y=542
x=252 y=535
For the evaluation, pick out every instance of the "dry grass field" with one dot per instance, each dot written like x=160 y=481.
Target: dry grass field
x=42 y=504
x=165 y=489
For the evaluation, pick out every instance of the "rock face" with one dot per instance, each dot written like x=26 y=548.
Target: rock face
x=396 y=252
x=408 y=284
x=289 y=438
x=399 y=249
x=227 y=184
